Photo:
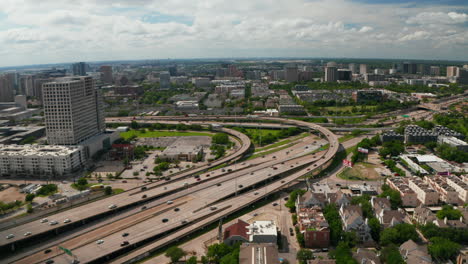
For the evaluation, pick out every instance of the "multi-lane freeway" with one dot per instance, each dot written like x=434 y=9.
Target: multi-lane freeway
x=174 y=209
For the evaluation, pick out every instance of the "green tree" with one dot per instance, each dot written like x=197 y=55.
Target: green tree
x=134 y=125
x=449 y=212
x=108 y=190
x=375 y=227
x=391 y=255
x=82 y=181
x=334 y=221
x=220 y=138
x=175 y=254
x=399 y=234
x=30 y=197
x=29 y=209
x=303 y=255
x=343 y=254
x=217 y=251
x=192 y=260
x=291 y=203
x=443 y=249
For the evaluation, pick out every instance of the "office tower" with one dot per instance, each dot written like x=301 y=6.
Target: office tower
x=452 y=71
x=6 y=89
x=173 y=70
x=410 y=68
x=331 y=72
x=344 y=75
x=79 y=68
x=353 y=67
x=164 y=80
x=13 y=78
x=424 y=69
x=363 y=68
x=435 y=70
x=106 y=74
x=291 y=73
x=462 y=76
x=72 y=110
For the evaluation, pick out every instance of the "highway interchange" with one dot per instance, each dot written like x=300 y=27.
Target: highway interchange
x=172 y=206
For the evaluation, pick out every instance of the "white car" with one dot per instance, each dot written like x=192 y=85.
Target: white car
x=44 y=220
x=112 y=206
x=169 y=202
x=53 y=223
x=67 y=220
x=27 y=233
x=10 y=236
x=100 y=241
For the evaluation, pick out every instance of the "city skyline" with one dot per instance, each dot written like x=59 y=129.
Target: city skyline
x=146 y=29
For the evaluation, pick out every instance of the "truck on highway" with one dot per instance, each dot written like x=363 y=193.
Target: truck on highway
x=97 y=187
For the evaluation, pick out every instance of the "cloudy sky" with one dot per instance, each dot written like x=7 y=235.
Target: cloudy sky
x=53 y=31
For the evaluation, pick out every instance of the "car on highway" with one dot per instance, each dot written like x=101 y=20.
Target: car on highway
x=50 y=261
x=27 y=233
x=241 y=186
x=255 y=214
x=124 y=181
x=145 y=167
x=165 y=220
x=282 y=181
x=144 y=196
x=112 y=206
x=274 y=157
x=100 y=241
x=219 y=184
x=143 y=208
x=212 y=208
x=125 y=234
x=67 y=221
x=47 y=251
x=169 y=202
x=143 y=188
x=198 y=179
x=274 y=204
x=53 y=223
x=123 y=244
x=183 y=221
x=142 y=169
x=10 y=236
x=255 y=193
x=176 y=209
x=44 y=220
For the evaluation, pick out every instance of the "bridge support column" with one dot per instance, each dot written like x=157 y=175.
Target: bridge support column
x=13 y=247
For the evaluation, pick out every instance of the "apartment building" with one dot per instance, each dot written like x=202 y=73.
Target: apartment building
x=314 y=227
x=460 y=187
x=408 y=196
x=40 y=160
x=424 y=192
x=447 y=193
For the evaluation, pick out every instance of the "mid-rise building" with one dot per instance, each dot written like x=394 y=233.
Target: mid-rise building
x=164 y=80
x=6 y=89
x=331 y=72
x=454 y=142
x=106 y=74
x=425 y=193
x=201 y=82
x=363 y=69
x=344 y=75
x=42 y=161
x=353 y=68
x=391 y=135
x=291 y=73
x=435 y=70
x=79 y=68
x=362 y=96
x=452 y=71
x=410 y=68
x=408 y=196
x=460 y=186
x=72 y=110
x=447 y=194
x=462 y=76
x=418 y=135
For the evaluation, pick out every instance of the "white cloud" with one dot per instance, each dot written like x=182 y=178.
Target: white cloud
x=438 y=18
x=57 y=31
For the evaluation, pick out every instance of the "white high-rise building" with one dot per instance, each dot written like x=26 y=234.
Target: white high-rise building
x=72 y=110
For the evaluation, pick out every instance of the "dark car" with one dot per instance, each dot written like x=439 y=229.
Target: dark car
x=144 y=188
x=219 y=184
x=47 y=251
x=165 y=220
x=176 y=209
x=125 y=234
x=49 y=261
x=282 y=181
x=124 y=243
x=144 y=196
x=240 y=186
